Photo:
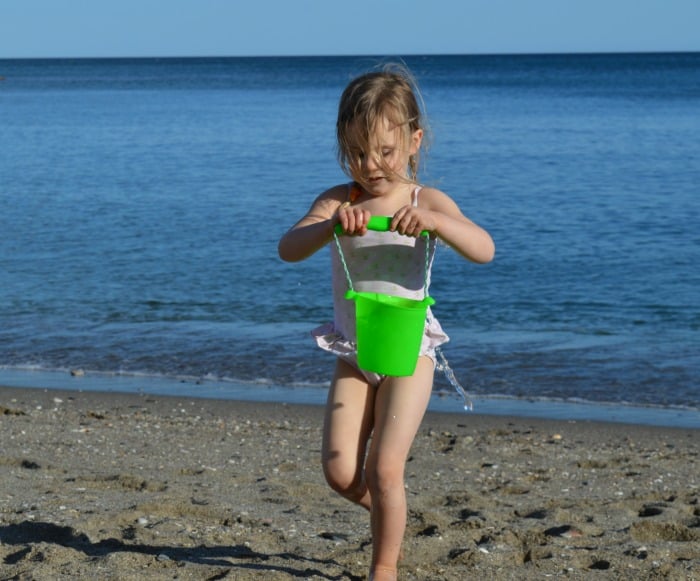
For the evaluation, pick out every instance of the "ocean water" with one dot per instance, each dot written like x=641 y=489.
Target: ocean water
x=142 y=202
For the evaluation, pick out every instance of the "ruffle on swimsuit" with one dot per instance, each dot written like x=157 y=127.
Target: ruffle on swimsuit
x=330 y=339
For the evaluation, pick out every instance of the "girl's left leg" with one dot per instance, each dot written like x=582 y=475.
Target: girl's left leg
x=399 y=408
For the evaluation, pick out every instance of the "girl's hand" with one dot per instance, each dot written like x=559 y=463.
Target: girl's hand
x=353 y=220
x=411 y=221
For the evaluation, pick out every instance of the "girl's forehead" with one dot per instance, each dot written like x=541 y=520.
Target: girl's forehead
x=383 y=132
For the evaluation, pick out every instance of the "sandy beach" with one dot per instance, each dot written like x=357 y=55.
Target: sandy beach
x=110 y=486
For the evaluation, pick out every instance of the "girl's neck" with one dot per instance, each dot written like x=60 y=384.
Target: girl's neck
x=388 y=203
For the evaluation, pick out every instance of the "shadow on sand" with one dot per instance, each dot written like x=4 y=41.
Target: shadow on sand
x=231 y=557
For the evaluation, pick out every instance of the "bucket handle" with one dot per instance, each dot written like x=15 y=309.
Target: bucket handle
x=378 y=224
x=381 y=224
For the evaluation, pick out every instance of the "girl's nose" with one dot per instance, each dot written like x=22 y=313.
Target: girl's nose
x=371 y=162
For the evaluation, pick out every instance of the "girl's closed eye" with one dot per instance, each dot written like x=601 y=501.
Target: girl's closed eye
x=357 y=154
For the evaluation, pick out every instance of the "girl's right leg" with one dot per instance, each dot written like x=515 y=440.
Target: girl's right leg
x=347 y=427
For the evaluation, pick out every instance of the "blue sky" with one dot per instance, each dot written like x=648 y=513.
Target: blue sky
x=95 y=28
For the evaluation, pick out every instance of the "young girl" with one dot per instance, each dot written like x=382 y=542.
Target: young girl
x=371 y=420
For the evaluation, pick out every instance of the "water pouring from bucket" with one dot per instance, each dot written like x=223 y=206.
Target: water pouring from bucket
x=389 y=329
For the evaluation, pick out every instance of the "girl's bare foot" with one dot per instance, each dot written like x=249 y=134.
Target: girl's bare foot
x=380 y=573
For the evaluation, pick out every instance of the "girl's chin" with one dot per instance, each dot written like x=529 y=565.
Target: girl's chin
x=375 y=183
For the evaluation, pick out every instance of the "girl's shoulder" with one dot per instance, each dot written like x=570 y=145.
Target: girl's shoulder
x=338 y=192
x=328 y=202
x=437 y=200
x=429 y=195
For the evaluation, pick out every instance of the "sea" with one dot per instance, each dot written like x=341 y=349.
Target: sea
x=143 y=199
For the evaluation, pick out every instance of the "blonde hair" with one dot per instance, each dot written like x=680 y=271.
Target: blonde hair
x=390 y=93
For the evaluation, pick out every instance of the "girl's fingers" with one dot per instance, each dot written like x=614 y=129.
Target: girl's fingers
x=404 y=222
x=411 y=221
x=398 y=219
x=358 y=220
x=354 y=220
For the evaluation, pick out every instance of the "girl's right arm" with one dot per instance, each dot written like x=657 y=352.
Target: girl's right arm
x=315 y=229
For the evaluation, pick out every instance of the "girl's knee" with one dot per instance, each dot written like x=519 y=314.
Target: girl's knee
x=343 y=480
x=385 y=477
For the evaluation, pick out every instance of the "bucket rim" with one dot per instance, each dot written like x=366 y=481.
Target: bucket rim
x=371 y=296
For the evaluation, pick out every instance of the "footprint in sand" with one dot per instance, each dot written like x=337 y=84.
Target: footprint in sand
x=650 y=510
x=649 y=531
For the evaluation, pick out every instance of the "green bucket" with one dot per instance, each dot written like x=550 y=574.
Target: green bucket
x=389 y=329
x=389 y=332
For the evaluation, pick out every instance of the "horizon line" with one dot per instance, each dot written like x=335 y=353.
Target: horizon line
x=361 y=55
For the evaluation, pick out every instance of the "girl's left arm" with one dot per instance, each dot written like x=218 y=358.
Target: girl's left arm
x=438 y=213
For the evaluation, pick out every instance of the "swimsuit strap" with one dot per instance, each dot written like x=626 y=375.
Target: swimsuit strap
x=414 y=196
x=354 y=192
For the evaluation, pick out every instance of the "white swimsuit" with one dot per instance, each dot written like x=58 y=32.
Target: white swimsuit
x=383 y=262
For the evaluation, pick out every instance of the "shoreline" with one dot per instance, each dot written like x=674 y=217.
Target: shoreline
x=450 y=402
x=122 y=486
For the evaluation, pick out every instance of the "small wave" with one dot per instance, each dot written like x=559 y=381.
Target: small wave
x=266 y=390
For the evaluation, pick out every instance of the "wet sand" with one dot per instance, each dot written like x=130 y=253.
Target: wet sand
x=111 y=486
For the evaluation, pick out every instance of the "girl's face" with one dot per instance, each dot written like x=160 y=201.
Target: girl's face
x=385 y=163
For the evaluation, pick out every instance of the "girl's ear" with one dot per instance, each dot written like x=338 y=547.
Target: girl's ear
x=416 y=139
